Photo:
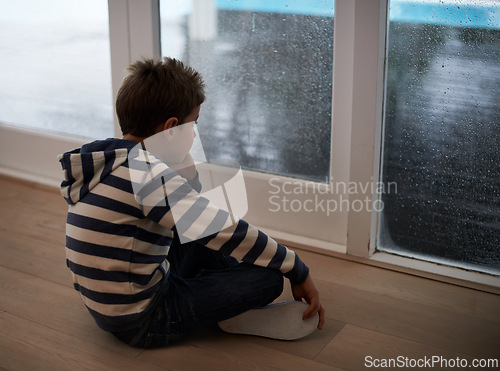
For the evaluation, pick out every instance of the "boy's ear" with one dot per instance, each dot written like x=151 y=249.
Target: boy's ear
x=170 y=123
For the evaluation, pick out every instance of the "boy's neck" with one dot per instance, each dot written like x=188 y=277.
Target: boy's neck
x=133 y=138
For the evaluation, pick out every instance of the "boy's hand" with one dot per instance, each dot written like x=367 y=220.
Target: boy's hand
x=186 y=168
x=307 y=290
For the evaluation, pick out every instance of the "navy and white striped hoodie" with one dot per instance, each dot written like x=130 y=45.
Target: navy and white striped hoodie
x=117 y=246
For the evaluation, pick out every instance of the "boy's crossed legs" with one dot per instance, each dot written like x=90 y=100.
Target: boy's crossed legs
x=204 y=287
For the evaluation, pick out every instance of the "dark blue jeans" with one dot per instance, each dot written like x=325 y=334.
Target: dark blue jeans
x=203 y=287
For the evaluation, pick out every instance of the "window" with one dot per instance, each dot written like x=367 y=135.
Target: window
x=441 y=133
x=55 y=67
x=268 y=70
x=299 y=190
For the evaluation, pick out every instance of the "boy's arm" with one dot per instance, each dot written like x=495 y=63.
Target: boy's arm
x=172 y=203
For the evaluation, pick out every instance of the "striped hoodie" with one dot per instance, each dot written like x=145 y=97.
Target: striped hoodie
x=117 y=244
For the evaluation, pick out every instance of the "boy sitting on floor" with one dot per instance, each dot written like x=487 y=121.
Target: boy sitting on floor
x=123 y=243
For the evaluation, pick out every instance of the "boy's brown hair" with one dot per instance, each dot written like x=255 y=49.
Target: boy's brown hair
x=155 y=91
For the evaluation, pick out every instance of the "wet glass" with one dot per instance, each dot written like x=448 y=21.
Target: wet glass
x=268 y=68
x=442 y=133
x=55 y=72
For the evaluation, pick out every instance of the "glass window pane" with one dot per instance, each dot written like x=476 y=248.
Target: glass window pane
x=442 y=133
x=55 y=68
x=268 y=70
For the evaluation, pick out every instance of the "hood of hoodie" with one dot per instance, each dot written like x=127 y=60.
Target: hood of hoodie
x=85 y=167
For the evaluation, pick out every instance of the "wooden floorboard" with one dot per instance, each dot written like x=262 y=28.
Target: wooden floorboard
x=38 y=346
x=417 y=322
x=371 y=312
x=355 y=346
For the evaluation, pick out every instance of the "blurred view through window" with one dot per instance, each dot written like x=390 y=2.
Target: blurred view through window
x=55 y=72
x=268 y=70
x=442 y=133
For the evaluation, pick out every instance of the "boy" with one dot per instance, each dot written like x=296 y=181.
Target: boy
x=134 y=275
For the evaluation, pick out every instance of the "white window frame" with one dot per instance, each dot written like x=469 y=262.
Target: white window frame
x=358 y=91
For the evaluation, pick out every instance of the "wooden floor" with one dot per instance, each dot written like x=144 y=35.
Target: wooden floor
x=371 y=312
